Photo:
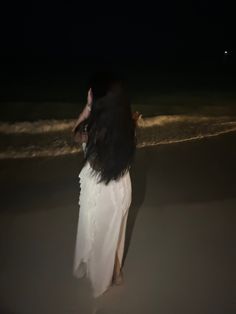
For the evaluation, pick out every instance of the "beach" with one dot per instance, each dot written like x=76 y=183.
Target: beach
x=180 y=244
x=173 y=68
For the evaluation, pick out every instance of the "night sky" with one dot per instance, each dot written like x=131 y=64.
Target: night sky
x=70 y=31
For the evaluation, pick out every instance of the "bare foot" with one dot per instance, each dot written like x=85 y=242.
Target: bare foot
x=118 y=278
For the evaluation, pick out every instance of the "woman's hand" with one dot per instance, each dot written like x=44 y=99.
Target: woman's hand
x=136 y=115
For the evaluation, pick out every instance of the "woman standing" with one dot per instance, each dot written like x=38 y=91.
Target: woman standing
x=105 y=195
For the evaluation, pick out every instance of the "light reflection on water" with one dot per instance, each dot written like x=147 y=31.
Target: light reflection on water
x=54 y=138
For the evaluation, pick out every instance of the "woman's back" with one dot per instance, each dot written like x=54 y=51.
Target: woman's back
x=111 y=135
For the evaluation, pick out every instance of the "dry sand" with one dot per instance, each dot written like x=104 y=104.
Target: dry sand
x=180 y=238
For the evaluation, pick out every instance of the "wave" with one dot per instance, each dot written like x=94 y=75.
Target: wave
x=36 y=127
x=45 y=138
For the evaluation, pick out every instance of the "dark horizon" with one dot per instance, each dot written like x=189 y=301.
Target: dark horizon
x=155 y=48
x=197 y=33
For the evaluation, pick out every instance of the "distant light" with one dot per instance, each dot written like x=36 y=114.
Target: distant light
x=226 y=52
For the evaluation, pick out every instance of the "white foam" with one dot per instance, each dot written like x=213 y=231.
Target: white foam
x=159 y=130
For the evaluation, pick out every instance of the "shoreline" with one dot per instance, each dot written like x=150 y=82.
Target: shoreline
x=54 y=138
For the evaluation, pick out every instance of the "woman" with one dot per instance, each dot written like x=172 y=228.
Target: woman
x=105 y=195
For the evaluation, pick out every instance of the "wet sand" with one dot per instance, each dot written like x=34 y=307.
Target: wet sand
x=180 y=250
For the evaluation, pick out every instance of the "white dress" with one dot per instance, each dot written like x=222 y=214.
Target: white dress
x=101 y=228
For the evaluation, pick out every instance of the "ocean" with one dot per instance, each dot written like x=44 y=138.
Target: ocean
x=38 y=108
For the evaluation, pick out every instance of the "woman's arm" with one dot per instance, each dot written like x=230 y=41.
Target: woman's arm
x=86 y=111
x=84 y=115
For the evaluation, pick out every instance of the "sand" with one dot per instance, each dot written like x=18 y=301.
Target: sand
x=180 y=250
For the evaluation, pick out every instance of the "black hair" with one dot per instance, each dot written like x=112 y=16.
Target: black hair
x=102 y=82
x=111 y=129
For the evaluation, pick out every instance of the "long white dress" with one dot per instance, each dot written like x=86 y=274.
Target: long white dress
x=101 y=228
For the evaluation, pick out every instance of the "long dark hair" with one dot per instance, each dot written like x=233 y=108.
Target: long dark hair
x=111 y=130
